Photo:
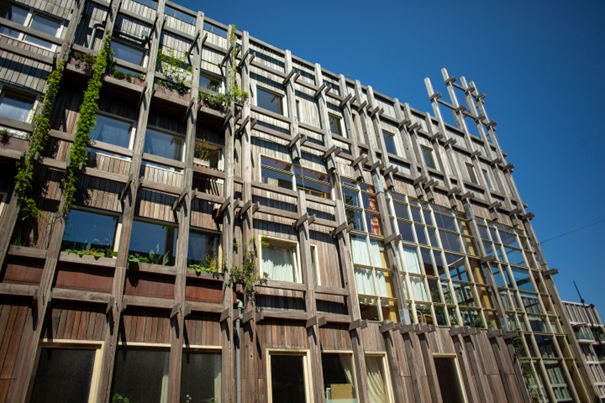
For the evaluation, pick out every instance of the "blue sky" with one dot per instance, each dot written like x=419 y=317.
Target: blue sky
x=540 y=63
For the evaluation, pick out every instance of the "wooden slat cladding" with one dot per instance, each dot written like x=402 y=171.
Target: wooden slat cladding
x=19 y=270
x=81 y=277
x=74 y=321
x=204 y=290
x=155 y=205
x=145 y=325
x=149 y=285
x=99 y=193
x=279 y=333
x=21 y=71
x=202 y=329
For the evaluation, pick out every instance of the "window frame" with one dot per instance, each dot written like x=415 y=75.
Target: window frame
x=169 y=133
x=472 y=173
x=338 y=124
x=429 y=154
x=387 y=374
x=211 y=77
x=308 y=375
x=295 y=260
x=294 y=175
x=7 y=89
x=282 y=98
x=133 y=128
x=31 y=12
x=118 y=230
x=95 y=378
x=394 y=138
x=488 y=180
x=121 y=41
x=459 y=377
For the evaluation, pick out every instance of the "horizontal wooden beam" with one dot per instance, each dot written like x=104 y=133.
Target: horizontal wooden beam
x=359 y=323
x=550 y=272
x=488 y=259
x=226 y=314
x=345 y=100
x=435 y=96
x=392 y=238
x=320 y=90
x=175 y=310
x=316 y=320
x=342 y=227
x=359 y=160
x=224 y=207
x=387 y=325
x=449 y=141
x=226 y=121
x=180 y=199
x=332 y=150
x=389 y=169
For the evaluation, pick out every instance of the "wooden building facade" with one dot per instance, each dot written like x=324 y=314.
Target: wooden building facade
x=397 y=258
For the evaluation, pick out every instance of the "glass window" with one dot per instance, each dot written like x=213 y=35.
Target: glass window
x=421 y=235
x=189 y=19
x=149 y=3
x=269 y=101
x=471 y=174
x=374 y=226
x=200 y=377
x=209 y=152
x=279 y=261
x=355 y=217
x=376 y=379
x=369 y=308
x=335 y=125
x=401 y=210
x=405 y=229
x=450 y=383
x=83 y=229
x=128 y=53
x=154 y=242
x=313 y=183
x=63 y=375
x=411 y=259
x=364 y=282
x=514 y=256
x=427 y=154
x=209 y=83
x=215 y=30
x=351 y=197
x=444 y=222
x=112 y=131
x=339 y=378
x=287 y=379
x=14 y=106
x=15 y=14
x=141 y=374
x=359 y=250
x=457 y=267
x=488 y=181
x=389 y=142
x=450 y=241
x=276 y=173
x=379 y=255
x=44 y=25
x=164 y=144
x=203 y=250
x=464 y=294
x=522 y=279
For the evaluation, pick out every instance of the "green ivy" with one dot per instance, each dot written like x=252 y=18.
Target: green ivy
x=85 y=124
x=177 y=69
x=37 y=142
x=235 y=92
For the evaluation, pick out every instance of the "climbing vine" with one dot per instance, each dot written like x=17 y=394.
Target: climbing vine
x=245 y=274
x=234 y=91
x=177 y=69
x=37 y=142
x=86 y=122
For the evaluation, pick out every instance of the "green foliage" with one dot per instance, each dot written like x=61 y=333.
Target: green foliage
x=235 y=93
x=37 y=142
x=4 y=135
x=94 y=252
x=177 y=69
x=208 y=265
x=87 y=58
x=119 y=74
x=202 y=152
x=119 y=399
x=85 y=124
x=154 y=257
x=215 y=101
x=479 y=323
x=246 y=273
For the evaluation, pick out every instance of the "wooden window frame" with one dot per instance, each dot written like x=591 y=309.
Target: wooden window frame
x=8 y=89
x=173 y=134
x=387 y=375
x=95 y=379
x=133 y=128
x=295 y=260
x=123 y=42
x=116 y=239
x=459 y=377
x=431 y=157
x=307 y=371
x=394 y=137
x=282 y=97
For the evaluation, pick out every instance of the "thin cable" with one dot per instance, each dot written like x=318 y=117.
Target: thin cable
x=559 y=236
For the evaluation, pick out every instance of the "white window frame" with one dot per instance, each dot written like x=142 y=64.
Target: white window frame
x=458 y=372
x=295 y=258
x=339 y=121
x=314 y=255
x=431 y=157
x=308 y=376
x=211 y=76
x=116 y=239
x=284 y=104
x=133 y=124
x=28 y=20
x=99 y=346
x=125 y=43
x=354 y=367
x=213 y=146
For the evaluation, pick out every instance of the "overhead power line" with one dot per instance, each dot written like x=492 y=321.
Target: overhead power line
x=567 y=233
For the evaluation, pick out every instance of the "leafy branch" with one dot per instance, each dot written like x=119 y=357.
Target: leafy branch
x=246 y=273
x=94 y=252
x=235 y=92
x=86 y=122
x=177 y=69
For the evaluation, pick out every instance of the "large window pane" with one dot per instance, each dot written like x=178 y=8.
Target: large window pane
x=444 y=222
x=457 y=267
x=83 y=228
x=339 y=381
x=287 y=379
x=16 y=107
x=63 y=375
x=522 y=279
x=209 y=83
x=269 y=101
x=355 y=217
x=128 y=53
x=149 y=240
x=389 y=142
x=200 y=377
x=203 y=249
x=411 y=260
x=45 y=25
x=514 y=256
x=364 y=282
x=14 y=14
x=359 y=250
x=351 y=197
x=379 y=257
x=313 y=183
x=450 y=241
x=163 y=145
x=111 y=131
x=141 y=374
x=373 y=222
x=278 y=262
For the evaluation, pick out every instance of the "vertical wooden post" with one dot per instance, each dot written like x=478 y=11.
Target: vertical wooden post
x=110 y=336
x=429 y=365
x=470 y=385
x=414 y=362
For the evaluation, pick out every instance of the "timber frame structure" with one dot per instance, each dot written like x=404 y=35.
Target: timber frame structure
x=390 y=241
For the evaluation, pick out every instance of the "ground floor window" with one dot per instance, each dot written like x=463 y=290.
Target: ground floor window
x=377 y=379
x=339 y=377
x=201 y=377
x=141 y=374
x=288 y=378
x=449 y=379
x=64 y=375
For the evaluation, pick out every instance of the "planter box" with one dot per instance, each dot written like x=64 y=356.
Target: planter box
x=201 y=163
x=19 y=270
x=77 y=277
x=133 y=80
x=172 y=93
x=80 y=65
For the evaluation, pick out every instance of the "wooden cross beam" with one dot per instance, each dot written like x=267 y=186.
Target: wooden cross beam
x=492 y=123
x=372 y=111
x=457 y=330
x=550 y=272
x=302 y=219
x=509 y=167
x=450 y=80
x=316 y=320
x=436 y=137
x=359 y=323
x=527 y=216
x=345 y=100
x=392 y=238
x=363 y=105
x=467 y=195
x=453 y=191
x=342 y=227
x=493 y=333
x=253 y=208
x=35 y=297
x=488 y=259
x=420 y=179
x=480 y=118
x=389 y=169
x=220 y=66
x=180 y=199
x=224 y=206
x=226 y=121
x=359 y=160
x=243 y=61
x=320 y=90
x=227 y=313
x=126 y=187
x=289 y=76
x=378 y=164
x=124 y=305
x=197 y=35
x=515 y=211
x=495 y=204
x=435 y=96
x=415 y=126
x=243 y=125
x=405 y=122
x=408 y=329
x=448 y=142
x=204 y=39
x=188 y=109
x=175 y=310
x=292 y=142
x=142 y=96
x=332 y=150
x=430 y=183
x=387 y=325
x=460 y=109
x=496 y=161
x=475 y=153
x=109 y=306
x=510 y=335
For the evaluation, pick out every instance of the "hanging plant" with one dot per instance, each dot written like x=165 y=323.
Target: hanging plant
x=86 y=122
x=177 y=69
x=37 y=142
x=235 y=92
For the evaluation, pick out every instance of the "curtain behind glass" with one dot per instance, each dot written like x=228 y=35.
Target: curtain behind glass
x=364 y=282
x=278 y=263
x=411 y=260
x=359 y=250
x=418 y=289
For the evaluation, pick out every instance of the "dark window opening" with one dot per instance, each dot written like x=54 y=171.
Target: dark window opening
x=287 y=379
